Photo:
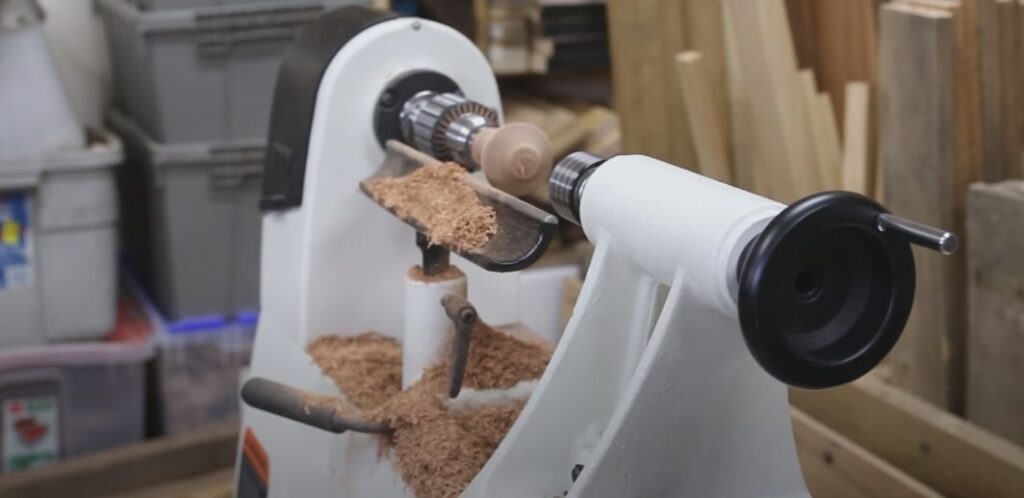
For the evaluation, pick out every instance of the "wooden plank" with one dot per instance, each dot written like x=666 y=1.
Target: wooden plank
x=831 y=146
x=805 y=32
x=968 y=147
x=822 y=128
x=780 y=117
x=1001 y=79
x=847 y=36
x=219 y=484
x=708 y=130
x=129 y=468
x=917 y=148
x=835 y=467
x=645 y=37
x=1011 y=57
x=746 y=157
x=995 y=343
x=705 y=33
x=858 y=174
x=967 y=122
x=941 y=450
x=808 y=93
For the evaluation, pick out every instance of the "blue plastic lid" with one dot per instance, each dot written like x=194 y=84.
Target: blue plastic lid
x=196 y=324
x=247 y=318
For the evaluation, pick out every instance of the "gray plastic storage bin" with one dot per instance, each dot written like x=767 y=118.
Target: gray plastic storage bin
x=58 y=245
x=203 y=74
x=199 y=364
x=192 y=222
x=192 y=4
x=66 y=400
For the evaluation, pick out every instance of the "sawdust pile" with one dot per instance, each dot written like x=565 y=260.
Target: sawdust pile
x=367 y=368
x=315 y=401
x=450 y=273
x=436 y=198
x=438 y=450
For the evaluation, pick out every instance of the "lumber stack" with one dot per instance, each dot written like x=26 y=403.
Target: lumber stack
x=717 y=87
x=645 y=37
x=907 y=101
x=915 y=439
x=951 y=117
x=838 y=40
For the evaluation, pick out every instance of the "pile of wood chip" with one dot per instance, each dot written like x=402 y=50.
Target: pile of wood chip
x=437 y=449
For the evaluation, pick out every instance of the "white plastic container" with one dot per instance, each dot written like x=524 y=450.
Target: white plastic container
x=37 y=115
x=58 y=243
x=64 y=400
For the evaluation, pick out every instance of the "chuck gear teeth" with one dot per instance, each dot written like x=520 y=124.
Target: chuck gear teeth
x=440 y=132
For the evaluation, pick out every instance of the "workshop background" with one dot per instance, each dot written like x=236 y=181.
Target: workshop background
x=132 y=142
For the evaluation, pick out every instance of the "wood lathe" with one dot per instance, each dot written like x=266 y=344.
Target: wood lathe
x=701 y=304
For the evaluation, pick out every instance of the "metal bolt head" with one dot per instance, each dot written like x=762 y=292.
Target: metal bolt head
x=416 y=25
x=388 y=99
x=576 y=471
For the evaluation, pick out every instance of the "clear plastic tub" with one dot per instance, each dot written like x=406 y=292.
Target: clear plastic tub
x=64 y=400
x=199 y=363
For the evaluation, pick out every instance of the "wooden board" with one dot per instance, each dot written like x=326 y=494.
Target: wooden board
x=995 y=343
x=968 y=111
x=743 y=148
x=805 y=32
x=645 y=37
x=709 y=131
x=219 y=484
x=833 y=144
x=1011 y=58
x=835 y=467
x=848 y=38
x=918 y=133
x=823 y=131
x=858 y=171
x=786 y=166
x=941 y=450
x=838 y=39
x=130 y=467
x=705 y=33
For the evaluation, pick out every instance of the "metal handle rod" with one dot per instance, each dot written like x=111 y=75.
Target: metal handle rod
x=464 y=316
x=435 y=259
x=919 y=234
x=302 y=406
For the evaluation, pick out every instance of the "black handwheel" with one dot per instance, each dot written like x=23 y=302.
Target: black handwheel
x=824 y=293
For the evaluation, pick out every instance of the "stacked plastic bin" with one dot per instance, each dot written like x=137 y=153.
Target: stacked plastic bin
x=68 y=386
x=194 y=82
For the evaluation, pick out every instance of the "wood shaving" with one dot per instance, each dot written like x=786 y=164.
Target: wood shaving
x=367 y=368
x=436 y=197
x=315 y=401
x=438 y=451
x=450 y=273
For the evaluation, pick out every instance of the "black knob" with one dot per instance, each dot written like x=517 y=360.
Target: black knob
x=825 y=292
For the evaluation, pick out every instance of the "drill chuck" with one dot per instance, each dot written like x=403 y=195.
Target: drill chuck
x=443 y=125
